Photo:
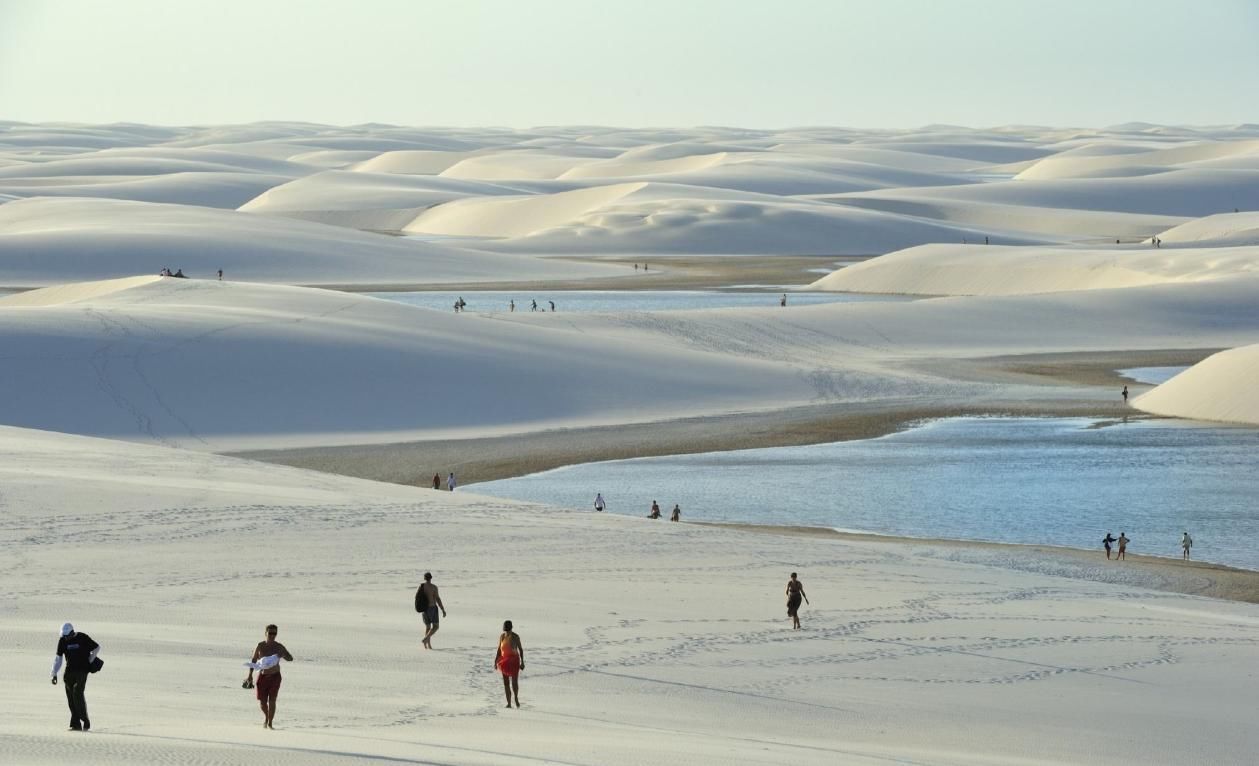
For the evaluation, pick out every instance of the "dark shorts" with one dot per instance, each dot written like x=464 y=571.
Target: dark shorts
x=793 y=605
x=268 y=685
x=430 y=616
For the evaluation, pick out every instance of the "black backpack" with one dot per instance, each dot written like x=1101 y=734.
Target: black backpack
x=421 y=600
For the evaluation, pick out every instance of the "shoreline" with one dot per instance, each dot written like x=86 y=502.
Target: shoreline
x=1163 y=573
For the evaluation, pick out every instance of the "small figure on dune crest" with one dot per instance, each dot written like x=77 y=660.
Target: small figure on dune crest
x=1123 y=547
x=677 y=513
x=1186 y=542
x=599 y=504
x=266 y=661
x=510 y=660
x=1106 y=542
x=427 y=602
x=655 y=511
x=795 y=592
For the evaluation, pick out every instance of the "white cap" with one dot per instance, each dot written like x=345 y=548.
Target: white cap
x=67 y=629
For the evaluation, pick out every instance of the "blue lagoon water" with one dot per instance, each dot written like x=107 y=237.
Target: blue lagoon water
x=1019 y=480
x=494 y=301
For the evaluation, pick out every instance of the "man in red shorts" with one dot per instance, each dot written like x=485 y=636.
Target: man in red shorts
x=266 y=661
x=510 y=660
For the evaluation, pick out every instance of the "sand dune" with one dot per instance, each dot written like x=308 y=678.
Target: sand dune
x=1222 y=230
x=1222 y=387
x=998 y=270
x=46 y=240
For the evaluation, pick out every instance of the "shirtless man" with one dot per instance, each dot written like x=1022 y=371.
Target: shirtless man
x=510 y=660
x=795 y=592
x=1123 y=546
x=430 y=596
x=677 y=513
x=268 y=673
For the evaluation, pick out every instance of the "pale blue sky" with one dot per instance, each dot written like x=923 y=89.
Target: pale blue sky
x=865 y=63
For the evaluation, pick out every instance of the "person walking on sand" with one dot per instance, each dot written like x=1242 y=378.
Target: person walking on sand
x=599 y=504
x=655 y=511
x=795 y=592
x=783 y=300
x=509 y=660
x=1125 y=394
x=1186 y=542
x=437 y=481
x=1123 y=547
x=266 y=661
x=677 y=513
x=79 y=651
x=450 y=482
x=427 y=602
x=1107 y=541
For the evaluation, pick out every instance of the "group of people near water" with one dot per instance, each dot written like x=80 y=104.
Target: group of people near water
x=654 y=513
x=1186 y=542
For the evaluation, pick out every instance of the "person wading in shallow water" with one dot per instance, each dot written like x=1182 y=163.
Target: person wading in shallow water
x=510 y=660
x=795 y=592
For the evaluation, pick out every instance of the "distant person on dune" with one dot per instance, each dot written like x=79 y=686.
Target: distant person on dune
x=510 y=660
x=1123 y=546
x=1107 y=541
x=795 y=592
x=1186 y=542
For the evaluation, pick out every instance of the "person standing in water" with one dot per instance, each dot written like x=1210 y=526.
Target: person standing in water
x=655 y=511
x=510 y=660
x=450 y=482
x=1186 y=542
x=677 y=513
x=795 y=592
x=266 y=661
x=599 y=504
x=511 y=305
x=79 y=651
x=1123 y=546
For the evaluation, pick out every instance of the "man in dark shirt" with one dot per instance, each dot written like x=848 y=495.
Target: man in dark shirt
x=79 y=652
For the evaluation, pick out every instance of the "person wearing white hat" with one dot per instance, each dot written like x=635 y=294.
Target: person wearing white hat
x=79 y=651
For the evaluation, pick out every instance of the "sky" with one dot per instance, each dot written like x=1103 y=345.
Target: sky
x=631 y=63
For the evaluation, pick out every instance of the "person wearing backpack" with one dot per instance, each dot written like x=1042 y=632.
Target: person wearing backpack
x=79 y=651
x=427 y=602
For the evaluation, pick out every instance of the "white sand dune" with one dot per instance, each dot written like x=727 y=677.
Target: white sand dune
x=46 y=240
x=204 y=189
x=1222 y=230
x=998 y=270
x=220 y=365
x=361 y=200
x=233 y=366
x=906 y=656
x=1119 y=165
x=1222 y=387
x=673 y=219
